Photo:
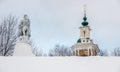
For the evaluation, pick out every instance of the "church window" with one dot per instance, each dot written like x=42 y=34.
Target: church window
x=84 y=33
x=83 y=40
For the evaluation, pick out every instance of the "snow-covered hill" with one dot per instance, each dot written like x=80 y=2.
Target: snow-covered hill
x=59 y=64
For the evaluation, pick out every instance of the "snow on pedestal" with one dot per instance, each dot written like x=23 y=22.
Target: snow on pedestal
x=23 y=49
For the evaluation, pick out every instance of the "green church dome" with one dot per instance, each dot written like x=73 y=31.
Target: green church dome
x=79 y=41
x=85 y=23
x=85 y=18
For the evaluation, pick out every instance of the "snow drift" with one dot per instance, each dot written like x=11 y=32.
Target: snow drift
x=59 y=64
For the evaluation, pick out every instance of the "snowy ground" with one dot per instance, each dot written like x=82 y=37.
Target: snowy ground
x=59 y=64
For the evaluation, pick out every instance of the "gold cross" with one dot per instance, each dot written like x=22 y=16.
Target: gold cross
x=85 y=8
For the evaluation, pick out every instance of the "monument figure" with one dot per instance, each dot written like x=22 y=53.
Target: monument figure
x=24 y=29
x=23 y=46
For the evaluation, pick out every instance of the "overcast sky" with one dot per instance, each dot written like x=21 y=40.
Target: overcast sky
x=57 y=21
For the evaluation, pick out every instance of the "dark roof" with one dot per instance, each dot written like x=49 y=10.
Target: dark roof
x=79 y=41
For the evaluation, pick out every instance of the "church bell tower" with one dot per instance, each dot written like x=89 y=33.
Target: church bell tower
x=85 y=29
x=85 y=45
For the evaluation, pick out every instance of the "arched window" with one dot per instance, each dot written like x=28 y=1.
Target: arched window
x=83 y=40
x=84 y=33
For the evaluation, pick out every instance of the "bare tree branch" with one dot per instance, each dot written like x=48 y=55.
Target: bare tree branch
x=116 y=52
x=60 y=51
x=8 y=35
x=103 y=52
x=36 y=51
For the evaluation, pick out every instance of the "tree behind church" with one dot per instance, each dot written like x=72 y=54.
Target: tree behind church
x=116 y=51
x=60 y=51
x=8 y=35
x=35 y=49
x=103 y=52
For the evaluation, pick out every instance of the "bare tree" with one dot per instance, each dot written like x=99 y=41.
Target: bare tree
x=116 y=51
x=8 y=35
x=103 y=52
x=36 y=50
x=60 y=51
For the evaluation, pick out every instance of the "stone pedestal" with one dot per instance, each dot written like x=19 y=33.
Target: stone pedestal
x=23 y=49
